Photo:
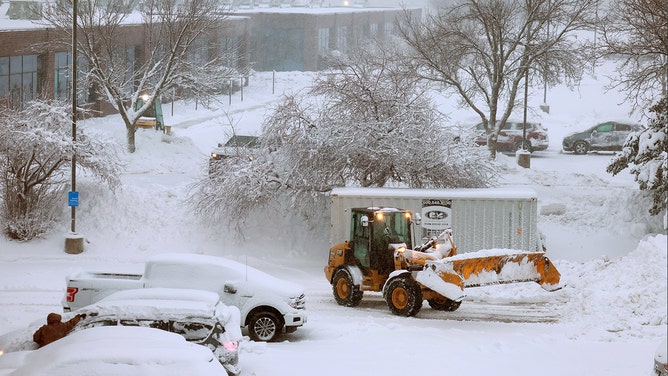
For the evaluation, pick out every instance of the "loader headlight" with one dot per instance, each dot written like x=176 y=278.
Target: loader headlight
x=401 y=249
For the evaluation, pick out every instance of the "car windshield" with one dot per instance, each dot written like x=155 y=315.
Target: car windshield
x=242 y=141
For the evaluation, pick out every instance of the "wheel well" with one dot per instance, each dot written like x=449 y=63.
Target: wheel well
x=265 y=308
x=354 y=272
x=394 y=275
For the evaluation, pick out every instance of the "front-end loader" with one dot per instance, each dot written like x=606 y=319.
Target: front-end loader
x=380 y=257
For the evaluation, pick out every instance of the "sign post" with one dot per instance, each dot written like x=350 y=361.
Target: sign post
x=74 y=241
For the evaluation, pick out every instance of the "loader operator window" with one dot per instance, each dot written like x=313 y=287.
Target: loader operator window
x=390 y=228
x=394 y=227
x=360 y=240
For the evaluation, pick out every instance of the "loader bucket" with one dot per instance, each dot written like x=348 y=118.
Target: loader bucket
x=445 y=282
x=486 y=268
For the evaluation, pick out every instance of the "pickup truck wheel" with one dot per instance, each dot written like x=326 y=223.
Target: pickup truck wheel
x=580 y=147
x=346 y=293
x=264 y=327
x=444 y=304
x=404 y=296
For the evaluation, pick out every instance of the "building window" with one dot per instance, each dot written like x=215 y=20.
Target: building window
x=18 y=78
x=63 y=77
x=373 y=30
x=198 y=52
x=230 y=50
x=389 y=28
x=124 y=59
x=323 y=41
x=342 y=39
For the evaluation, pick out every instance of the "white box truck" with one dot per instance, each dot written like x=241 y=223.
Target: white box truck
x=480 y=218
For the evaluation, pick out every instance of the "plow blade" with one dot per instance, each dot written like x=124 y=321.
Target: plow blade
x=484 y=268
x=444 y=282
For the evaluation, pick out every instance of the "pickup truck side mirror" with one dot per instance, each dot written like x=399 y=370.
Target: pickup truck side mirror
x=230 y=288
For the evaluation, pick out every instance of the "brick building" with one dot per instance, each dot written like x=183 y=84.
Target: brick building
x=267 y=38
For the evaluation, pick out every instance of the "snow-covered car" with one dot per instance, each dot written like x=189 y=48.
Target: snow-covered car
x=661 y=359
x=607 y=136
x=238 y=146
x=111 y=351
x=196 y=315
x=511 y=136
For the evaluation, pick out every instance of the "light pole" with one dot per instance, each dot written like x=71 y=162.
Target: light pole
x=74 y=241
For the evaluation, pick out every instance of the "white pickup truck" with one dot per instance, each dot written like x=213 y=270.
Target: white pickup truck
x=268 y=305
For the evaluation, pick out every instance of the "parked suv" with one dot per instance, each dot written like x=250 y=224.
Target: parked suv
x=608 y=136
x=511 y=136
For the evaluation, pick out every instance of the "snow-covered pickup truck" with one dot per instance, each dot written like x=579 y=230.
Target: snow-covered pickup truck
x=268 y=305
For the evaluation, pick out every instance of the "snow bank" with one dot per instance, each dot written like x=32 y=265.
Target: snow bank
x=621 y=294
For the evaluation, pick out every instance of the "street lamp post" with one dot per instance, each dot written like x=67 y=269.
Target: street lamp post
x=523 y=154
x=74 y=241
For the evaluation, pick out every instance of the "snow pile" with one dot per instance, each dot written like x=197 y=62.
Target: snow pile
x=620 y=294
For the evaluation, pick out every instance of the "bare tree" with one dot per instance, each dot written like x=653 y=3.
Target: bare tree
x=367 y=122
x=634 y=33
x=482 y=50
x=172 y=31
x=35 y=157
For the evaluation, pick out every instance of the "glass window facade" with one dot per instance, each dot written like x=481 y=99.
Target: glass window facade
x=18 y=78
x=230 y=49
x=63 y=76
x=342 y=39
x=373 y=30
x=323 y=41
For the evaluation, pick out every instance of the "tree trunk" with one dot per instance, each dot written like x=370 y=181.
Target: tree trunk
x=491 y=145
x=131 y=139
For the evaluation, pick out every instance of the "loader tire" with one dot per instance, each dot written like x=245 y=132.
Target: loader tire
x=403 y=296
x=345 y=291
x=444 y=304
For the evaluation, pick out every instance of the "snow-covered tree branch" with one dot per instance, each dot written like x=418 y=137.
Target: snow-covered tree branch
x=646 y=153
x=482 y=50
x=367 y=122
x=635 y=34
x=35 y=159
x=169 y=58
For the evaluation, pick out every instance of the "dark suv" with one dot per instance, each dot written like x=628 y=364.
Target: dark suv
x=608 y=136
x=238 y=146
x=511 y=136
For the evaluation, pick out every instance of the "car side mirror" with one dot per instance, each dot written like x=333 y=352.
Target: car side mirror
x=230 y=288
x=364 y=221
x=417 y=219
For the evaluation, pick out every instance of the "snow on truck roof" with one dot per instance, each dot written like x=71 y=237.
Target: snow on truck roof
x=232 y=270
x=461 y=193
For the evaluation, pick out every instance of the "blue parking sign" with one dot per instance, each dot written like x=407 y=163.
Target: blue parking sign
x=73 y=198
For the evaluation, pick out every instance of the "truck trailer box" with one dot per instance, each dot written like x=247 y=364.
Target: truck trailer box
x=480 y=218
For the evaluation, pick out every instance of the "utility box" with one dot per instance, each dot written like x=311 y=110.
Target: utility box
x=480 y=218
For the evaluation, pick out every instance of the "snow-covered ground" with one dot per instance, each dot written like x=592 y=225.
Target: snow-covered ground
x=607 y=320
